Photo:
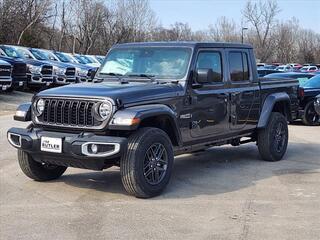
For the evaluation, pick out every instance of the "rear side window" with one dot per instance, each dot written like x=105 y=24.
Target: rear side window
x=211 y=60
x=239 y=66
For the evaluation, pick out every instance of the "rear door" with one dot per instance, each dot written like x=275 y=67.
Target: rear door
x=243 y=87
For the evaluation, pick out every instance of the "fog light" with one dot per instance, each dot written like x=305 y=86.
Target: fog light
x=94 y=148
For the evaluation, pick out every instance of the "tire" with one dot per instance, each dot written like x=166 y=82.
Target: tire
x=142 y=174
x=273 y=139
x=38 y=171
x=310 y=117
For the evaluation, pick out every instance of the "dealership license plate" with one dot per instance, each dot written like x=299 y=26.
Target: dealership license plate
x=4 y=88
x=20 y=84
x=49 y=144
x=47 y=83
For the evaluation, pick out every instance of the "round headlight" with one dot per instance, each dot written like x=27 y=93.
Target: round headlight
x=105 y=110
x=40 y=106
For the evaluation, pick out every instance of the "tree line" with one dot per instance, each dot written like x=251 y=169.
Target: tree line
x=93 y=26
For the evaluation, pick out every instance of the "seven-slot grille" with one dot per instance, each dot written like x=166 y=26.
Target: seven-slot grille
x=46 y=70
x=5 y=71
x=69 y=112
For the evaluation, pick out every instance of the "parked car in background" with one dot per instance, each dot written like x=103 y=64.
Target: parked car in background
x=87 y=61
x=261 y=65
x=284 y=68
x=19 y=72
x=39 y=74
x=84 y=73
x=5 y=75
x=263 y=72
x=64 y=73
x=307 y=96
x=309 y=69
x=301 y=77
x=100 y=58
x=296 y=65
x=317 y=104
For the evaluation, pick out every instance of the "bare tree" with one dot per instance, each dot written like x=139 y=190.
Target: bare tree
x=262 y=17
x=224 y=30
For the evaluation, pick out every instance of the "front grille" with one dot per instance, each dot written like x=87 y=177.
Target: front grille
x=5 y=71
x=70 y=72
x=69 y=112
x=46 y=70
x=19 y=69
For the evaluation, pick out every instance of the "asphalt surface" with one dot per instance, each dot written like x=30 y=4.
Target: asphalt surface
x=223 y=193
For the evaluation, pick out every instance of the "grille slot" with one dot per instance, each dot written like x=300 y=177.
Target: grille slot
x=5 y=71
x=71 y=72
x=46 y=70
x=68 y=112
x=19 y=69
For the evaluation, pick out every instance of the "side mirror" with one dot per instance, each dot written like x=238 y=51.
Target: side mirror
x=206 y=75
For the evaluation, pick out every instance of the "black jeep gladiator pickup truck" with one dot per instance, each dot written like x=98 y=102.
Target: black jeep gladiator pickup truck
x=150 y=102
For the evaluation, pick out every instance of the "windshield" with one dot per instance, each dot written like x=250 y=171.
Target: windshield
x=81 y=59
x=63 y=57
x=100 y=59
x=39 y=55
x=11 y=52
x=160 y=62
x=313 y=82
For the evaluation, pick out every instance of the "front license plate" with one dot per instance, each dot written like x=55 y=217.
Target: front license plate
x=49 y=144
x=4 y=88
x=20 y=84
x=47 y=83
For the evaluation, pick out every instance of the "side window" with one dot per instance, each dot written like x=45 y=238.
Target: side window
x=239 y=66
x=211 y=60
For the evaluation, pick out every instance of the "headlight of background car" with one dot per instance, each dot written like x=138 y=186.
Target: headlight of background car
x=105 y=110
x=39 y=107
x=59 y=71
x=82 y=72
x=34 y=69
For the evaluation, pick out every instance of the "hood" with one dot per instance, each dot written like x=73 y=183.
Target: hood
x=12 y=60
x=4 y=63
x=35 y=62
x=127 y=93
x=58 y=64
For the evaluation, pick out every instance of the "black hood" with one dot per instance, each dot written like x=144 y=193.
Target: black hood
x=127 y=93
x=12 y=60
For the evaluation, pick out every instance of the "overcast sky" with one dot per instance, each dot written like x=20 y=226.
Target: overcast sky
x=200 y=13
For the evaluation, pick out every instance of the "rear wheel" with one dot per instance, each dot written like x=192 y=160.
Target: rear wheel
x=38 y=171
x=273 y=139
x=146 y=167
x=310 y=117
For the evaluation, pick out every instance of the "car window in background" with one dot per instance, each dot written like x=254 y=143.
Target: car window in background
x=80 y=59
x=239 y=67
x=313 y=82
x=25 y=53
x=160 y=62
x=11 y=52
x=62 y=57
x=211 y=60
x=38 y=54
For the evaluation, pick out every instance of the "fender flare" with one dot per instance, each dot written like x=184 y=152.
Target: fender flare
x=268 y=105
x=143 y=112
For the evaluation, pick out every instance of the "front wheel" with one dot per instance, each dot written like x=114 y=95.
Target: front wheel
x=273 y=139
x=310 y=117
x=147 y=164
x=38 y=171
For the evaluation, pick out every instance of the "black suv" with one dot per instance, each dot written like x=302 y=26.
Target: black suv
x=150 y=102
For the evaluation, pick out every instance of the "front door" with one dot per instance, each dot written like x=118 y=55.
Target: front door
x=209 y=102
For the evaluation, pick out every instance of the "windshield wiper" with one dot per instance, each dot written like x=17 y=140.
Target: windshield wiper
x=142 y=75
x=117 y=75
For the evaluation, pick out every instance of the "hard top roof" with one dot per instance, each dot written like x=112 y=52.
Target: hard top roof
x=184 y=44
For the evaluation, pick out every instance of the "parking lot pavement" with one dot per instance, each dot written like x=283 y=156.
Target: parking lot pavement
x=223 y=193
x=10 y=101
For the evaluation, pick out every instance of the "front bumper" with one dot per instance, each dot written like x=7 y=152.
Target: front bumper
x=5 y=84
x=64 y=79
x=39 y=79
x=74 y=148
